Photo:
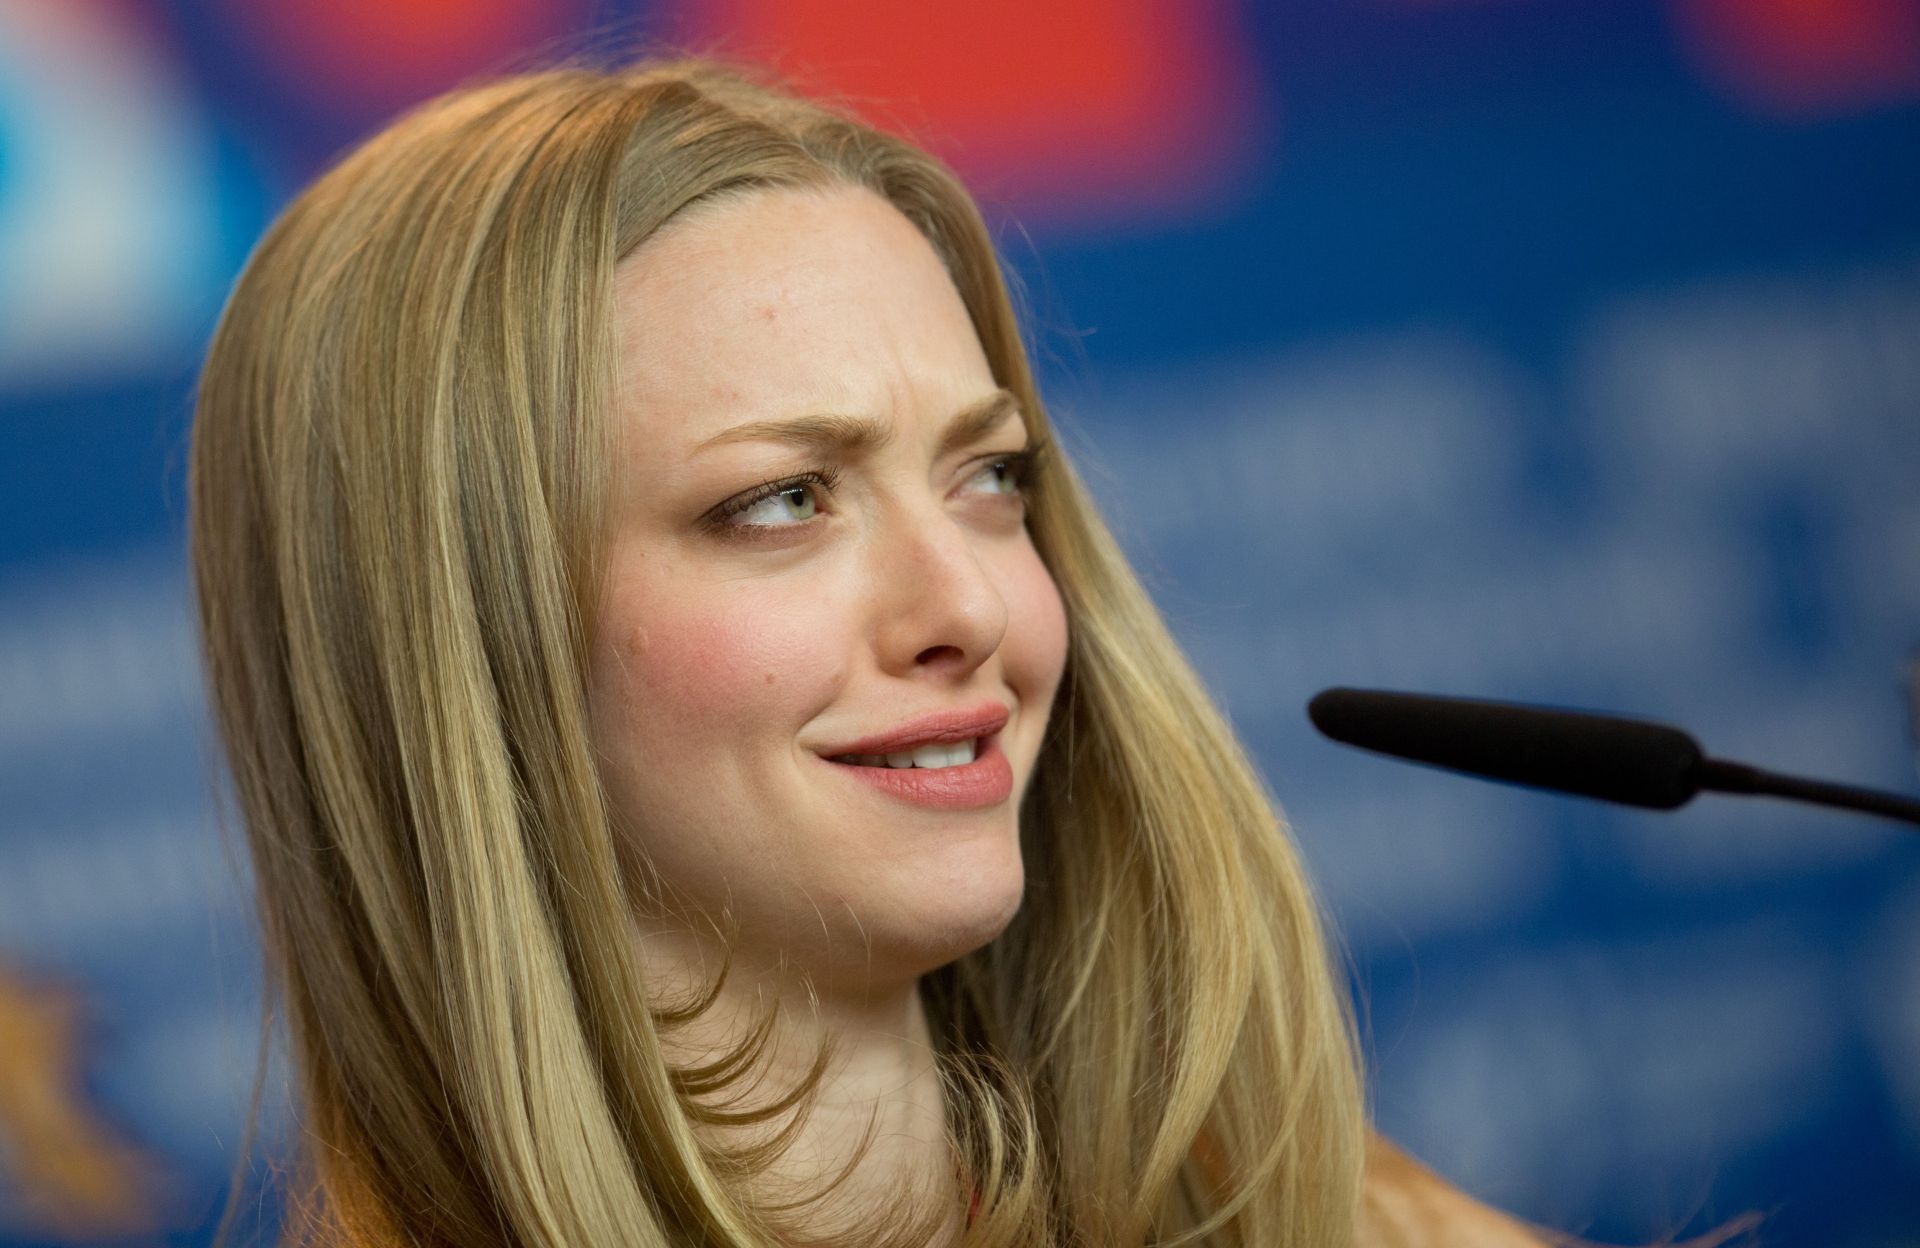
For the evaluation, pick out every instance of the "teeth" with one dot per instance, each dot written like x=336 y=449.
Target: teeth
x=958 y=754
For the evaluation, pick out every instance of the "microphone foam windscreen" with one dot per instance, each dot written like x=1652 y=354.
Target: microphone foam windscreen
x=1619 y=760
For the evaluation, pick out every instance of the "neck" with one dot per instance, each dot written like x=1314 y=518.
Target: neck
x=882 y=1084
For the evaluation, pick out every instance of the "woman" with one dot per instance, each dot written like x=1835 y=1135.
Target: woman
x=711 y=777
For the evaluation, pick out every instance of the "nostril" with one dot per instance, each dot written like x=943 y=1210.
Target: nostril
x=934 y=653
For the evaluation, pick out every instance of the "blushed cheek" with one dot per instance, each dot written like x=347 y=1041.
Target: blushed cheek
x=720 y=673
x=682 y=665
x=1038 y=641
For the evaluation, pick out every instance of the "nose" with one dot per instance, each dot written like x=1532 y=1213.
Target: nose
x=939 y=606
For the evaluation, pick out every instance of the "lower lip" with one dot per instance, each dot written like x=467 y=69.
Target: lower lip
x=986 y=781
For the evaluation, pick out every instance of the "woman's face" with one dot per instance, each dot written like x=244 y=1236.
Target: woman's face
x=745 y=643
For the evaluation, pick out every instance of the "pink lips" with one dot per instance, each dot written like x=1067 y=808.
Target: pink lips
x=986 y=781
x=942 y=727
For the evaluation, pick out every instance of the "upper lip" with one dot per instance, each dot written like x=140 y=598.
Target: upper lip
x=941 y=727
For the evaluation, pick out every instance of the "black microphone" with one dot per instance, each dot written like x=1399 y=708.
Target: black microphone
x=1614 y=759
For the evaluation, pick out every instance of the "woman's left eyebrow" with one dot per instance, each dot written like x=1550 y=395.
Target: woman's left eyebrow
x=857 y=434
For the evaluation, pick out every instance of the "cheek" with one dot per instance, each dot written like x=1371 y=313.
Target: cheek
x=682 y=674
x=1036 y=629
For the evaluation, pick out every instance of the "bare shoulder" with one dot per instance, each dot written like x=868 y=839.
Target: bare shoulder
x=1406 y=1205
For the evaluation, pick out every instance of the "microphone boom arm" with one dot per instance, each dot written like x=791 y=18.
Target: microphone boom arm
x=1718 y=775
x=1615 y=759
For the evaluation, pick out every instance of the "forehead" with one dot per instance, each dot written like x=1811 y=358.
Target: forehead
x=786 y=302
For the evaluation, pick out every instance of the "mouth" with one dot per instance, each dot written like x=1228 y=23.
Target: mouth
x=971 y=774
x=900 y=746
x=933 y=756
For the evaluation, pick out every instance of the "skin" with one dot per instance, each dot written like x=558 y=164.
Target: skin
x=729 y=660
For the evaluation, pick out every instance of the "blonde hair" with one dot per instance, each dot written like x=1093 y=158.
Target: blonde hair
x=396 y=526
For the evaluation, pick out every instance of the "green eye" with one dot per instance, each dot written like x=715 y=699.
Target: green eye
x=792 y=502
x=1014 y=472
x=782 y=504
x=1004 y=479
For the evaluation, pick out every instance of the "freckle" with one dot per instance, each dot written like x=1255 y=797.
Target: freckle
x=637 y=641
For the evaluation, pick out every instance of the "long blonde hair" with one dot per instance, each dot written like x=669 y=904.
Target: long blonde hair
x=396 y=524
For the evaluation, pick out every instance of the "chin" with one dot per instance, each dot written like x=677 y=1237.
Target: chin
x=942 y=925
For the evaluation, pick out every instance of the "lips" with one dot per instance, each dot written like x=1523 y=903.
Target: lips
x=937 y=727
x=985 y=782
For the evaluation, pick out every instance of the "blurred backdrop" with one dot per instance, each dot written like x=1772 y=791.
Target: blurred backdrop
x=1564 y=350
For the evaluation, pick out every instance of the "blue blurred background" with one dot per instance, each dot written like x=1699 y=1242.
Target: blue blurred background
x=1564 y=350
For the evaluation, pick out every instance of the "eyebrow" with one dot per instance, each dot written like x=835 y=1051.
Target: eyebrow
x=852 y=435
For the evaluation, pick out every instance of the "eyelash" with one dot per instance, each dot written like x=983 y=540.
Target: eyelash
x=1021 y=466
